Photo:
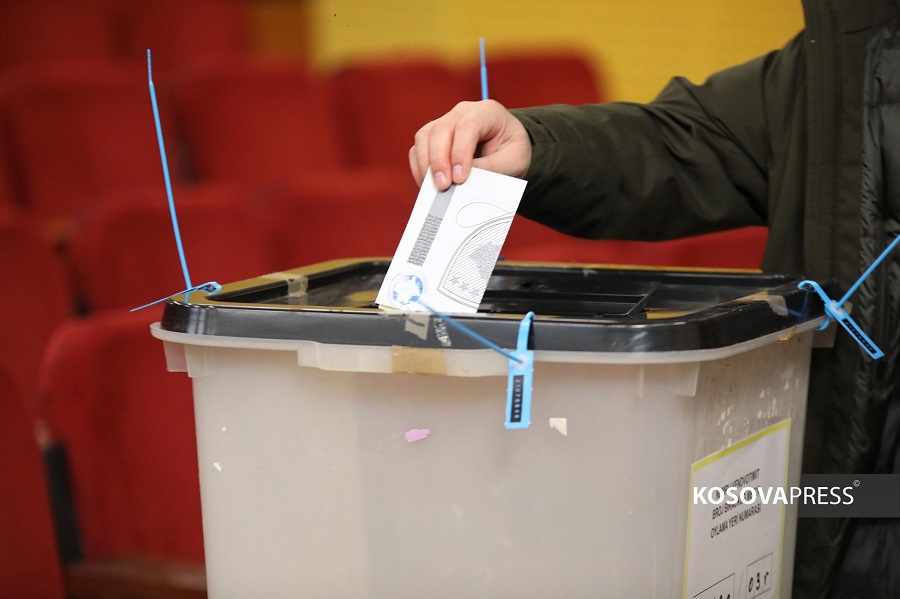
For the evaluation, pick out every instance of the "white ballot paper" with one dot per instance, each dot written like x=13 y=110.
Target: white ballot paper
x=451 y=244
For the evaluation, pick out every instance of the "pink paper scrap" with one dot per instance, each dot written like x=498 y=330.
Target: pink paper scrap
x=417 y=434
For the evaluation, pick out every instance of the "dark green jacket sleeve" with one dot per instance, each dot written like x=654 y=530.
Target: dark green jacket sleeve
x=694 y=160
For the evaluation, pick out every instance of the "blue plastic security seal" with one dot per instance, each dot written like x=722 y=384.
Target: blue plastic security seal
x=521 y=367
x=207 y=288
x=835 y=311
x=521 y=378
x=835 y=308
x=168 y=180
x=484 y=76
x=211 y=286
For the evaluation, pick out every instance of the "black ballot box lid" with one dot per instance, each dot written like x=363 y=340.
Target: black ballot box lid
x=578 y=308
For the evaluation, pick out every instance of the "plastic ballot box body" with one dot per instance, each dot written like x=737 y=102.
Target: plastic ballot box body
x=351 y=452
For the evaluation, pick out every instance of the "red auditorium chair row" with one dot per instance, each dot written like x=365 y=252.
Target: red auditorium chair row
x=738 y=248
x=51 y=31
x=127 y=429
x=74 y=132
x=97 y=388
x=125 y=255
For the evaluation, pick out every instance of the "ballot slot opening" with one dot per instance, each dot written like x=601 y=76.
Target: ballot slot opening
x=548 y=290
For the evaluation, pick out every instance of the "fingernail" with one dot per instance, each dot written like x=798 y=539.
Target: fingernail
x=440 y=179
x=457 y=172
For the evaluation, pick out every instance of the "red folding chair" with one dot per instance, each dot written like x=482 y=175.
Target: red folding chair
x=251 y=123
x=78 y=132
x=538 y=78
x=737 y=248
x=125 y=255
x=8 y=197
x=128 y=429
x=35 y=301
x=602 y=251
x=383 y=104
x=348 y=219
x=182 y=33
x=48 y=31
x=29 y=562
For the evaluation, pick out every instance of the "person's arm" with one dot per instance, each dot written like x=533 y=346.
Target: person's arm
x=694 y=160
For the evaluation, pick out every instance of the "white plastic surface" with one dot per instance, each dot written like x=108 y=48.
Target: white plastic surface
x=310 y=489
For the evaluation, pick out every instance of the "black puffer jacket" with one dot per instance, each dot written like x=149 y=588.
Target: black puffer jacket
x=807 y=141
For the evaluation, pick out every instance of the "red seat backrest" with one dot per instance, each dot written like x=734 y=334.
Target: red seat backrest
x=47 y=31
x=182 y=33
x=538 y=78
x=384 y=103
x=29 y=563
x=339 y=217
x=35 y=301
x=125 y=255
x=79 y=132
x=252 y=123
x=736 y=248
x=128 y=428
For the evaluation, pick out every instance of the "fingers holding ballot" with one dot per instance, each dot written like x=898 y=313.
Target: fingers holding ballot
x=480 y=134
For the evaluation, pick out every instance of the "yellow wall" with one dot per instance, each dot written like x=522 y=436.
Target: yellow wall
x=639 y=44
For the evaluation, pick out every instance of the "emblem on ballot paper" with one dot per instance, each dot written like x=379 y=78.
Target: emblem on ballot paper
x=466 y=276
x=406 y=289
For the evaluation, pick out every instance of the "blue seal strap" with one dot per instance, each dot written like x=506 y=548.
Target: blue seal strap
x=521 y=367
x=484 y=76
x=467 y=331
x=521 y=378
x=835 y=311
x=168 y=180
x=211 y=286
x=207 y=288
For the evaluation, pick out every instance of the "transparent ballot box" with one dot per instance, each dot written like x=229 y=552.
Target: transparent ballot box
x=351 y=452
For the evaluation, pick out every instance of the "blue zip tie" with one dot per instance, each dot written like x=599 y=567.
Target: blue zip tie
x=210 y=287
x=869 y=271
x=520 y=381
x=466 y=330
x=521 y=368
x=165 y=165
x=484 y=80
x=835 y=309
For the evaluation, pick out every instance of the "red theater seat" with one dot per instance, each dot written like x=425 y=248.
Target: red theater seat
x=603 y=251
x=384 y=103
x=737 y=248
x=125 y=255
x=78 y=132
x=250 y=123
x=339 y=219
x=46 y=31
x=29 y=563
x=35 y=301
x=538 y=78
x=128 y=428
x=180 y=33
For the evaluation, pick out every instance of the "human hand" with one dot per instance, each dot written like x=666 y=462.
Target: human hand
x=482 y=134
